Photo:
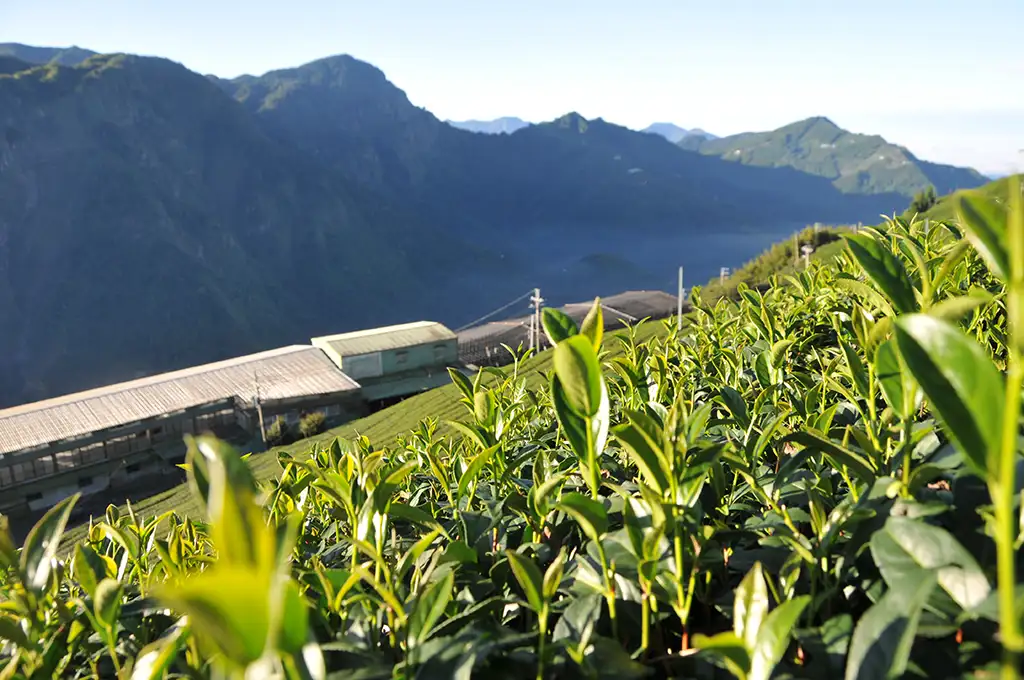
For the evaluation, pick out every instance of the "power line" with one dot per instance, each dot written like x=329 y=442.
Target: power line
x=496 y=311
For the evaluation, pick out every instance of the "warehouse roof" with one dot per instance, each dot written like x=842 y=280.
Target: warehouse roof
x=288 y=372
x=384 y=338
x=625 y=308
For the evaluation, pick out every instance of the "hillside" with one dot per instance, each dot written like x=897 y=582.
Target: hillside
x=64 y=56
x=946 y=208
x=505 y=125
x=147 y=223
x=855 y=163
x=143 y=205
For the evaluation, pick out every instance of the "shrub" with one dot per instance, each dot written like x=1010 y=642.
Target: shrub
x=311 y=424
x=279 y=433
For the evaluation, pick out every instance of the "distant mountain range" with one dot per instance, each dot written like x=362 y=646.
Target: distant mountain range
x=152 y=217
x=856 y=163
x=676 y=134
x=497 y=126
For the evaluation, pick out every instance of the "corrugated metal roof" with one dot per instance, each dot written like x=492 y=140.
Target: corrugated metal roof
x=288 y=372
x=385 y=338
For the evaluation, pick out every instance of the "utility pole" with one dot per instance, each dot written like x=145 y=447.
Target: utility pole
x=679 y=303
x=796 y=248
x=722 y=273
x=259 y=408
x=535 y=337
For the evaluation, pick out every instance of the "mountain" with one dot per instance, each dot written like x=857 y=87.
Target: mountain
x=147 y=223
x=64 y=56
x=348 y=116
x=506 y=125
x=674 y=133
x=856 y=163
x=152 y=218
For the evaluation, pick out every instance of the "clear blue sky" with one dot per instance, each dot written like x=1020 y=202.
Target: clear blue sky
x=944 y=78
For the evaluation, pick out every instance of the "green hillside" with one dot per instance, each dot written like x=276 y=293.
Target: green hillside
x=946 y=207
x=817 y=480
x=442 y=404
x=855 y=163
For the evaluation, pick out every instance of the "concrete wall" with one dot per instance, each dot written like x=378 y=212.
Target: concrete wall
x=438 y=354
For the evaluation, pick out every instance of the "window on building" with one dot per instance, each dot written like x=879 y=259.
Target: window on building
x=84 y=482
x=34 y=497
x=134 y=467
x=439 y=352
x=401 y=357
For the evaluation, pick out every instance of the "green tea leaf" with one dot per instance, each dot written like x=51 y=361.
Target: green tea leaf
x=107 y=602
x=574 y=426
x=986 y=229
x=11 y=631
x=881 y=642
x=588 y=513
x=42 y=542
x=579 y=373
x=155 y=659
x=773 y=637
x=475 y=467
x=558 y=325
x=961 y=382
x=227 y=605
x=553 y=576
x=897 y=385
x=955 y=308
x=905 y=547
x=529 y=578
x=641 y=439
x=727 y=648
x=885 y=269
x=835 y=454
x=593 y=325
x=430 y=607
x=462 y=382
x=750 y=606
x=858 y=373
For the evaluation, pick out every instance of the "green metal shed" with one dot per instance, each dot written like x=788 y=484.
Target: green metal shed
x=394 y=361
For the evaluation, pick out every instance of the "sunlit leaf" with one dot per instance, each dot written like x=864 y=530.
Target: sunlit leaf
x=961 y=382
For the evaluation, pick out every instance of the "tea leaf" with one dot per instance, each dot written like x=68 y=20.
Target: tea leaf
x=728 y=648
x=904 y=547
x=529 y=578
x=593 y=325
x=836 y=454
x=558 y=325
x=588 y=513
x=579 y=373
x=885 y=269
x=430 y=607
x=750 y=606
x=960 y=381
x=881 y=642
x=42 y=542
x=986 y=230
x=773 y=637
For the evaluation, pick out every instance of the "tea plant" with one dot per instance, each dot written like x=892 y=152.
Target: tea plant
x=814 y=480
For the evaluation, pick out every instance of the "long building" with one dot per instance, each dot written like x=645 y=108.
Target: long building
x=394 y=361
x=107 y=437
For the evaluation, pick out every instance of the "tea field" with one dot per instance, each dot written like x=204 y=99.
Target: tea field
x=817 y=479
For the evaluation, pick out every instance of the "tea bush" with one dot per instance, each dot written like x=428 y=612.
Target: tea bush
x=311 y=424
x=279 y=433
x=817 y=480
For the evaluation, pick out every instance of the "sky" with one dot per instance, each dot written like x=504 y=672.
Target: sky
x=944 y=78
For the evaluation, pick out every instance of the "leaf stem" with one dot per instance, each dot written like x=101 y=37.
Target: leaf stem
x=1002 y=491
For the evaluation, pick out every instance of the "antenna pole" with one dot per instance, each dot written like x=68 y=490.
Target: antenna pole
x=679 y=302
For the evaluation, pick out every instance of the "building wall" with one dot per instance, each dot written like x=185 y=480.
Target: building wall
x=35 y=480
x=434 y=355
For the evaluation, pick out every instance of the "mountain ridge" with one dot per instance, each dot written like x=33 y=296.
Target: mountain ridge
x=854 y=162
x=264 y=210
